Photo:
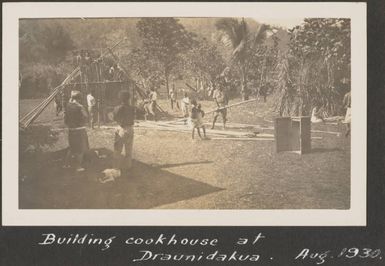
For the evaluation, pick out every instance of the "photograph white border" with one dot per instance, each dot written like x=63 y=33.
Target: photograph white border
x=12 y=215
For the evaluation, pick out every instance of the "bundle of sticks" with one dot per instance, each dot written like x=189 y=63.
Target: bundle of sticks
x=28 y=119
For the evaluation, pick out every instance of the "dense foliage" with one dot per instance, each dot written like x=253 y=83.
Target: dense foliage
x=316 y=69
x=304 y=66
x=43 y=49
x=164 y=40
x=35 y=138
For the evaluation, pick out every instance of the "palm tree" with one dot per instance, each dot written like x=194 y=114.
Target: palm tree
x=235 y=35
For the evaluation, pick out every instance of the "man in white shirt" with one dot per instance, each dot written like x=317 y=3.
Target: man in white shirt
x=150 y=104
x=221 y=101
x=91 y=103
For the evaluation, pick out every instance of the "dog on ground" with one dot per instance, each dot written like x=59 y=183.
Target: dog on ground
x=110 y=175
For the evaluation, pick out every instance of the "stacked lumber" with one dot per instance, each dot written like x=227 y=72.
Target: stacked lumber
x=228 y=125
x=214 y=134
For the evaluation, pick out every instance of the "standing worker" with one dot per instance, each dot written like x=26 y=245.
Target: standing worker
x=185 y=103
x=348 y=117
x=75 y=118
x=91 y=104
x=263 y=91
x=124 y=115
x=58 y=102
x=150 y=104
x=173 y=98
x=221 y=100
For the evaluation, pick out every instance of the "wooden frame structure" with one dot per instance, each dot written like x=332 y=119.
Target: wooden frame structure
x=87 y=77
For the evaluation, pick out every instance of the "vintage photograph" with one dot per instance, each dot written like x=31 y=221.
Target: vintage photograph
x=209 y=113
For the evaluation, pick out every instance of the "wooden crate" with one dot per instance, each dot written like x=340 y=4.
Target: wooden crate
x=293 y=134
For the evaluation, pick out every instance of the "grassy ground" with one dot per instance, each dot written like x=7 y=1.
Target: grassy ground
x=171 y=171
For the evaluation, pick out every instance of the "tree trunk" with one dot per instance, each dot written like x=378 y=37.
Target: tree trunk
x=300 y=87
x=244 y=89
x=166 y=75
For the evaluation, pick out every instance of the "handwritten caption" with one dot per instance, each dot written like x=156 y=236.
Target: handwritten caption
x=211 y=254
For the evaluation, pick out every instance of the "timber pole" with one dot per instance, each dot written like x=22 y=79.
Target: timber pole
x=231 y=105
x=32 y=115
x=141 y=94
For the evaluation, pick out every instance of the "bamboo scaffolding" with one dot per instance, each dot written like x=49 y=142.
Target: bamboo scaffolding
x=34 y=110
x=34 y=113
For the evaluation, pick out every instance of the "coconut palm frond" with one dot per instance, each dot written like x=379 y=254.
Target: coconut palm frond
x=235 y=31
x=226 y=41
x=260 y=34
x=229 y=27
x=239 y=49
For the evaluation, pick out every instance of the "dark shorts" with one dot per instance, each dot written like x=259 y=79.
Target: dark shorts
x=222 y=112
x=78 y=141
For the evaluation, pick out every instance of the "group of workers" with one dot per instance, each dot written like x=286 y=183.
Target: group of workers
x=76 y=118
x=186 y=104
x=91 y=72
x=317 y=113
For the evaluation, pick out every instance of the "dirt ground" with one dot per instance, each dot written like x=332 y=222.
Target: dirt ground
x=172 y=171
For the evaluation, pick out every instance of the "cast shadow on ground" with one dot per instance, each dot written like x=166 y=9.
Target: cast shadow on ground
x=51 y=187
x=170 y=165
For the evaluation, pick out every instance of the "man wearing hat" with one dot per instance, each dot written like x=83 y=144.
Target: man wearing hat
x=76 y=118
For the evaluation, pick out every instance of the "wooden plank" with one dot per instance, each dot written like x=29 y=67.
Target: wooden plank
x=231 y=105
x=228 y=125
x=188 y=85
x=95 y=83
x=327 y=132
x=217 y=109
x=247 y=125
x=222 y=132
x=242 y=139
x=184 y=128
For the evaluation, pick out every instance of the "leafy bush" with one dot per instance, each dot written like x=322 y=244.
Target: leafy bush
x=35 y=138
